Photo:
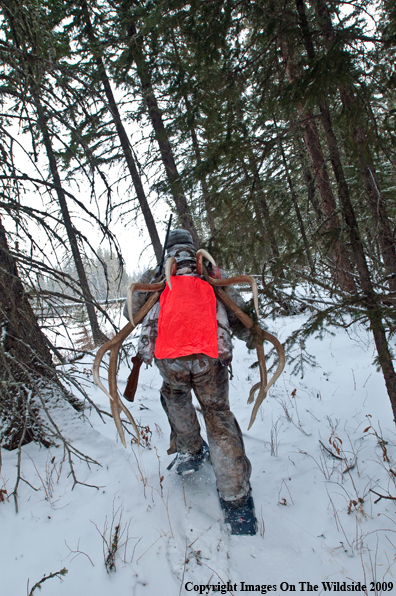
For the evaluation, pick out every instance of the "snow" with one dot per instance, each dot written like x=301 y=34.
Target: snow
x=318 y=520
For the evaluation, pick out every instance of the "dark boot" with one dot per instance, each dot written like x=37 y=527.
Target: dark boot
x=187 y=463
x=239 y=515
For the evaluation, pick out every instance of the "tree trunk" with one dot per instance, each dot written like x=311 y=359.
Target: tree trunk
x=175 y=184
x=124 y=140
x=269 y=255
x=369 y=300
x=194 y=139
x=308 y=178
x=297 y=209
x=261 y=200
x=329 y=206
x=376 y=203
x=97 y=335
x=371 y=303
x=25 y=357
x=201 y=177
x=33 y=75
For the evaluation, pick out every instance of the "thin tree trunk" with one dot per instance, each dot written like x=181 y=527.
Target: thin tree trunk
x=377 y=205
x=175 y=184
x=370 y=302
x=297 y=209
x=308 y=179
x=124 y=140
x=201 y=177
x=261 y=200
x=261 y=211
x=97 y=335
x=257 y=210
x=191 y=125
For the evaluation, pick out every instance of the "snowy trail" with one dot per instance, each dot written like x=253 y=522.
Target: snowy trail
x=319 y=521
x=199 y=533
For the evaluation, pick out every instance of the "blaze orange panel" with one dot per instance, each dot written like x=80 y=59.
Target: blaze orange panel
x=187 y=321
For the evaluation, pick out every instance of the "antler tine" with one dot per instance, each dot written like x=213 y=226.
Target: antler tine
x=199 y=256
x=237 y=280
x=114 y=346
x=252 y=392
x=139 y=287
x=120 y=337
x=116 y=404
x=170 y=269
x=261 y=336
x=263 y=372
x=264 y=390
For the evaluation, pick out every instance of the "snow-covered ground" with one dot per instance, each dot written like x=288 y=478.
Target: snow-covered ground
x=318 y=519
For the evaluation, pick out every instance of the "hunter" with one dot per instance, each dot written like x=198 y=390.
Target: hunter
x=188 y=334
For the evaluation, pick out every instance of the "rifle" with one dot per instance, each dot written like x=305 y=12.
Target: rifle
x=132 y=382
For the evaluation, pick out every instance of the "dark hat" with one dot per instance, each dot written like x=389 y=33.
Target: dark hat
x=179 y=237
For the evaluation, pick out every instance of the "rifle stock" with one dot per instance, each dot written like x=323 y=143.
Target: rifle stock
x=133 y=378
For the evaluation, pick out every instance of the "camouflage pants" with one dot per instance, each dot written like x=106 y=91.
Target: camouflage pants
x=209 y=380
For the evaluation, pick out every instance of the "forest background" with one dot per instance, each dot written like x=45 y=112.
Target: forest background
x=267 y=128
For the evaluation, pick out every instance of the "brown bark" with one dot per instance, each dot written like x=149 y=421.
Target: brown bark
x=22 y=336
x=25 y=357
x=124 y=140
x=308 y=179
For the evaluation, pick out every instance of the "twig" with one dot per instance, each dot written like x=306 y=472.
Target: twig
x=151 y=545
x=79 y=552
x=349 y=468
x=220 y=578
x=47 y=496
x=330 y=451
x=15 y=491
x=70 y=449
x=382 y=496
x=31 y=485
